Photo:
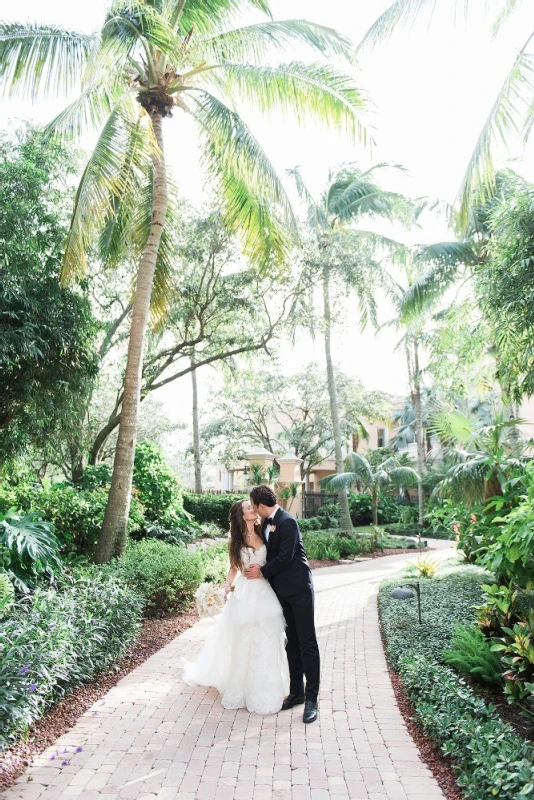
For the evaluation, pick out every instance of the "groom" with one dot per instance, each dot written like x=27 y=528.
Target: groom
x=289 y=574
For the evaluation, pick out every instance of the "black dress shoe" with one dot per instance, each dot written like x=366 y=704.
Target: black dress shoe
x=310 y=711
x=293 y=700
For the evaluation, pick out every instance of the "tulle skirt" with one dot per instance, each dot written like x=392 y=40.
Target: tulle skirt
x=244 y=656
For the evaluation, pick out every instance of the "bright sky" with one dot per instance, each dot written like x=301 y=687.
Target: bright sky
x=431 y=88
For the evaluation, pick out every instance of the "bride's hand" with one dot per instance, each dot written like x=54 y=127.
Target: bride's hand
x=227 y=589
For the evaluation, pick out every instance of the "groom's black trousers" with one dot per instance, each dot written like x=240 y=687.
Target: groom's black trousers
x=302 y=648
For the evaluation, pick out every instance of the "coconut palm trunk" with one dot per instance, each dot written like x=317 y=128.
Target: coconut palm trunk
x=112 y=540
x=196 y=433
x=344 y=511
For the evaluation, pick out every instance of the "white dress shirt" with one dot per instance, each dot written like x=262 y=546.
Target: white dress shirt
x=269 y=527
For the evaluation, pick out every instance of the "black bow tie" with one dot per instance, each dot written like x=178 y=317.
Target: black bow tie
x=269 y=520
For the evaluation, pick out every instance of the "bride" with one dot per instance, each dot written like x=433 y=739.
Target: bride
x=244 y=657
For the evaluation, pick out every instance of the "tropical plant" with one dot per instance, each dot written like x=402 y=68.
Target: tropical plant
x=156 y=484
x=289 y=493
x=516 y=650
x=386 y=475
x=483 y=449
x=512 y=113
x=471 y=654
x=337 y=252
x=149 y=60
x=28 y=548
x=7 y=594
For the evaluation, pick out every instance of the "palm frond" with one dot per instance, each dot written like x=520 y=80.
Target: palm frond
x=508 y=117
x=87 y=112
x=207 y=16
x=403 y=477
x=504 y=15
x=315 y=91
x=122 y=154
x=398 y=14
x=254 y=199
x=131 y=24
x=41 y=60
x=253 y=42
x=317 y=219
x=448 y=259
x=340 y=481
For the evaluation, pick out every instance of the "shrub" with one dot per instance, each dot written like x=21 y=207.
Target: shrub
x=491 y=760
x=7 y=595
x=95 y=477
x=403 y=529
x=28 y=549
x=445 y=600
x=516 y=650
x=328 y=516
x=155 y=482
x=76 y=514
x=57 y=640
x=470 y=654
x=167 y=576
x=331 y=545
x=445 y=518
x=390 y=510
x=211 y=507
x=310 y=524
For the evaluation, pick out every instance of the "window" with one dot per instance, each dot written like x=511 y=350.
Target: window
x=381 y=437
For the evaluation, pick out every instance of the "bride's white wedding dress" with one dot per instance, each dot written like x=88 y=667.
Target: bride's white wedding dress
x=244 y=657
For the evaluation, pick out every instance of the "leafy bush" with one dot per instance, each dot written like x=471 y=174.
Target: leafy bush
x=7 y=595
x=390 y=510
x=211 y=530
x=331 y=545
x=167 y=576
x=311 y=524
x=95 y=476
x=211 y=507
x=403 y=529
x=444 y=518
x=516 y=650
x=155 y=482
x=76 y=514
x=57 y=640
x=470 y=654
x=491 y=760
x=328 y=516
x=445 y=600
x=28 y=548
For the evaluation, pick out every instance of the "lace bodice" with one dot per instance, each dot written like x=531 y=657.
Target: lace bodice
x=250 y=556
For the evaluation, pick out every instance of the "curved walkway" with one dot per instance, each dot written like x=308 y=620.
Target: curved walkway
x=154 y=738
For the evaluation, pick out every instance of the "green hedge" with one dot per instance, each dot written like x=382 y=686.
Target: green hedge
x=59 y=639
x=490 y=759
x=445 y=601
x=76 y=514
x=211 y=507
x=165 y=575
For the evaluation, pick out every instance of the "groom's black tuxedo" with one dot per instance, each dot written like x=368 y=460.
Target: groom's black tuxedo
x=289 y=574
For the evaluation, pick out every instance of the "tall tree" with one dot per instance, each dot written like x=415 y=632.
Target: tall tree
x=512 y=113
x=197 y=459
x=148 y=60
x=47 y=332
x=351 y=195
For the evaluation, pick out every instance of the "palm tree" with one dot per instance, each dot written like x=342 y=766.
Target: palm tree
x=150 y=59
x=386 y=475
x=512 y=113
x=351 y=194
x=482 y=449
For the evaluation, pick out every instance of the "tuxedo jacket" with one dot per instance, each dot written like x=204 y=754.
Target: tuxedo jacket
x=287 y=567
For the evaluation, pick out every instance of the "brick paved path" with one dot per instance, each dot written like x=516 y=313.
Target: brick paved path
x=154 y=738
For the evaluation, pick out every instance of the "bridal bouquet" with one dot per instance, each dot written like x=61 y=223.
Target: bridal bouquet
x=210 y=599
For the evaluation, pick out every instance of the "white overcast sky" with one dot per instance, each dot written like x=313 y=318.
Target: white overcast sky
x=431 y=90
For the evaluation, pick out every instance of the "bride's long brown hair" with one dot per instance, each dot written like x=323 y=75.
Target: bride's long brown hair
x=238 y=533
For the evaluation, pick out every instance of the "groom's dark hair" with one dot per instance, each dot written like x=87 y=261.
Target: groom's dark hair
x=263 y=494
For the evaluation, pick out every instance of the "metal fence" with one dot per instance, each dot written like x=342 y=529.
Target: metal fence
x=313 y=501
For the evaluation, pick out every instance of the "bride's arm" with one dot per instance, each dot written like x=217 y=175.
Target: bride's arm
x=230 y=578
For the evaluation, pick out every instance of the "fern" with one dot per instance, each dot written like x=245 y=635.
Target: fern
x=470 y=654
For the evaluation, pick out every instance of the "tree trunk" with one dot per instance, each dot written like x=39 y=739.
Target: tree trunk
x=112 y=539
x=374 y=495
x=492 y=486
x=196 y=434
x=344 y=511
x=419 y=437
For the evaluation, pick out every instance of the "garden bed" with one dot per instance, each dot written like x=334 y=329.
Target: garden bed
x=57 y=720
x=486 y=745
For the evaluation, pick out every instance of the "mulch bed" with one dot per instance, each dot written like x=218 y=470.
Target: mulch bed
x=439 y=764
x=155 y=634
x=59 y=718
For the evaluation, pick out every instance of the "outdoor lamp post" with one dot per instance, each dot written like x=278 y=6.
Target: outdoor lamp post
x=404 y=593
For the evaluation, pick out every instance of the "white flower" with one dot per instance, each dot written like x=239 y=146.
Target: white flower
x=210 y=599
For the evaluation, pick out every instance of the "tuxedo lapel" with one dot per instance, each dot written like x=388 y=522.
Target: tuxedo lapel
x=274 y=523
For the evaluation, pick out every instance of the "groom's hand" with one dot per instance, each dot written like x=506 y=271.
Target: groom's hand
x=253 y=571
